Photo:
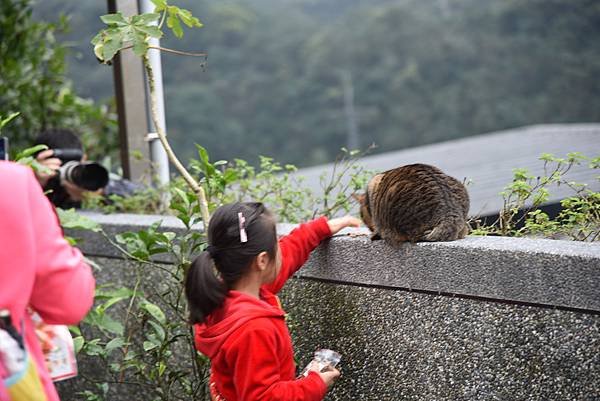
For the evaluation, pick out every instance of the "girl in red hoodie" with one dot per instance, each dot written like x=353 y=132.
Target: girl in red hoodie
x=239 y=323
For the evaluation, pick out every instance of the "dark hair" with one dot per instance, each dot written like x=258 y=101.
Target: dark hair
x=59 y=138
x=205 y=287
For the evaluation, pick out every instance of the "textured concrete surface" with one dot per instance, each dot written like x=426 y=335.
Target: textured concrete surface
x=560 y=273
x=401 y=345
x=477 y=319
x=397 y=345
x=549 y=272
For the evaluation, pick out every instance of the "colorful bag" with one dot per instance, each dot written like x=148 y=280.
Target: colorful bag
x=21 y=380
x=58 y=348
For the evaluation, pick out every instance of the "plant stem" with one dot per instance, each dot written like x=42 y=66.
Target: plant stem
x=179 y=52
x=172 y=157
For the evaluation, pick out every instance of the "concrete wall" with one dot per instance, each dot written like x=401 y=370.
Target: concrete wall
x=477 y=319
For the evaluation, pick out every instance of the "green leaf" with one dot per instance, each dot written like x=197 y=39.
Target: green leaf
x=4 y=121
x=173 y=23
x=116 y=19
x=71 y=219
x=188 y=19
x=183 y=196
x=78 y=343
x=92 y=348
x=140 y=45
x=154 y=311
x=111 y=46
x=161 y=368
x=75 y=330
x=152 y=31
x=149 y=346
x=144 y=19
x=111 y=325
x=158 y=330
x=122 y=292
x=114 y=344
x=98 y=47
x=159 y=5
x=30 y=151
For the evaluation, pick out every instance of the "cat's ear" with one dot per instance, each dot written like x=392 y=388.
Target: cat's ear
x=361 y=198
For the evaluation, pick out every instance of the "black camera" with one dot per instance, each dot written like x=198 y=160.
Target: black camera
x=3 y=148
x=87 y=175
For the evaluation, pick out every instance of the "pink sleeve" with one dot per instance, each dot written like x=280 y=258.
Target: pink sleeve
x=296 y=248
x=63 y=290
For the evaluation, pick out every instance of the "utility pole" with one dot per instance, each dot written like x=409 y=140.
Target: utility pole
x=158 y=155
x=130 y=94
x=136 y=131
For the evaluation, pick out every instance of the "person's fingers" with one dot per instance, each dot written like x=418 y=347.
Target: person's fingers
x=329 y=376
x=44 y=154
x=353 y=221
x=52 y=163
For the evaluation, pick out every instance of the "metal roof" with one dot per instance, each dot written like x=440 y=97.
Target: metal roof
x=488 y=160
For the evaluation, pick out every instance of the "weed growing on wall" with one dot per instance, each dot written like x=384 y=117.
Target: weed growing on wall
x=521 y=215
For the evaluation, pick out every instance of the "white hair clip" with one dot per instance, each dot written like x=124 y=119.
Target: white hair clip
x=242 y=221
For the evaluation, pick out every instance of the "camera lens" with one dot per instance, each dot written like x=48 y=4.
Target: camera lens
x=68 y=154
x=87 y=175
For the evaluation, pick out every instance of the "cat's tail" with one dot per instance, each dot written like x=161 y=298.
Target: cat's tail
x=447 y=230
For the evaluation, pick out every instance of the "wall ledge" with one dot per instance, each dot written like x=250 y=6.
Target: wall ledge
x=544 y=272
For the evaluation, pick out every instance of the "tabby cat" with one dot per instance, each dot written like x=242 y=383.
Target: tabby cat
x=416 y=202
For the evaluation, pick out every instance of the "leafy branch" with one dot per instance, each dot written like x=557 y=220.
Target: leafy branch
x=135 y=33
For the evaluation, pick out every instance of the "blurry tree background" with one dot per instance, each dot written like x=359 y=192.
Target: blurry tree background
x=34 y=82
x=421 y=71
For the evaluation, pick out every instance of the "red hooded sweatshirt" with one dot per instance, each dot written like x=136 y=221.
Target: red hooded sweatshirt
x=248 y=342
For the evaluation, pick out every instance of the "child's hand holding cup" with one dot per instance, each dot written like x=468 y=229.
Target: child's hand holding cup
x=324 y=364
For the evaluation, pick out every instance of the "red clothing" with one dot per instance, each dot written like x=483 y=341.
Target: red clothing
x=248 y=342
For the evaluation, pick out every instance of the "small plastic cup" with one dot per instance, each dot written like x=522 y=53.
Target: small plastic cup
x=324 y=360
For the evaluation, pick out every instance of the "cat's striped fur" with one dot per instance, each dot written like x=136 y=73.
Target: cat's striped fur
x=416 y=202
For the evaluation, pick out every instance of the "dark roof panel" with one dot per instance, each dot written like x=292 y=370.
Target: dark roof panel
x=488 y=160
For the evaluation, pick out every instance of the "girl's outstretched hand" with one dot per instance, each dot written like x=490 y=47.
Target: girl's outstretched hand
x=337 y=224
x=329 y=376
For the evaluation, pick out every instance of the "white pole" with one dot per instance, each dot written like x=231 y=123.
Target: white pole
x=353 y=136
x=158 y=156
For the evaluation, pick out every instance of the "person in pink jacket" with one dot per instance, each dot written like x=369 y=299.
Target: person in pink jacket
x=38 y=267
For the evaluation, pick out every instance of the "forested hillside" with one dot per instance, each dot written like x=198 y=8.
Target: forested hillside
x=421 y=71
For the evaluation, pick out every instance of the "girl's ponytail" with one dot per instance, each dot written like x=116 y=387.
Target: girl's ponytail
x=204 y=290
x=236 y=234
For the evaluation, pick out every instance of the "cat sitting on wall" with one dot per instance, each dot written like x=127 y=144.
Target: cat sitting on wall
x=416 y=202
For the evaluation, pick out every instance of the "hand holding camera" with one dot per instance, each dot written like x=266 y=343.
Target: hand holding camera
x=76 y=175
x=51 y=165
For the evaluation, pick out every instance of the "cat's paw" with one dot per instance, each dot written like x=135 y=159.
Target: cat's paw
x=375 y=237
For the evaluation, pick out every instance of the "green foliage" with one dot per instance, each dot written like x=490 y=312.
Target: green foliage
x=144 y=201
x=135 y=333
x=9 y=118
x=579 y=218
x=27 y=158
x=276 y=185
x=420 y=74
x=33 y=81
x=273 y=84
x=135 y=31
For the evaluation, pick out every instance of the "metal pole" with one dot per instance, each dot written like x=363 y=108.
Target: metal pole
x=158 y=156
x=353 y=135
x=130 y=96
